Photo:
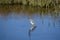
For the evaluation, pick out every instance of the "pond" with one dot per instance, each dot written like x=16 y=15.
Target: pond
x=15 y=26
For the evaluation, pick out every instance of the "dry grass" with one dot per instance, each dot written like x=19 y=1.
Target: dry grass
x=52 y=6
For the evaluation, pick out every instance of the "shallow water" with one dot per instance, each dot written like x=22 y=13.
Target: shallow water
x=16 y=26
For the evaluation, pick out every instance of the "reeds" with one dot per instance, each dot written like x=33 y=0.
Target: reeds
x=31 y=6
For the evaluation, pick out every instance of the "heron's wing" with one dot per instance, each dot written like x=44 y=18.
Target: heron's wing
x=33 y=28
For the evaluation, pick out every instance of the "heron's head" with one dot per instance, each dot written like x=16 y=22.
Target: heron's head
x=32 y=21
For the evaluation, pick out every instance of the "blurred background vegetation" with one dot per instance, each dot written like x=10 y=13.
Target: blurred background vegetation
x=40 y=3
x=30 y=6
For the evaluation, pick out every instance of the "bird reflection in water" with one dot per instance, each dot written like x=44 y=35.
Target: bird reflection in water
x=32 y=28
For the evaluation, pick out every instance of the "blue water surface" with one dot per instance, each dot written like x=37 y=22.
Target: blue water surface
x=16 y=27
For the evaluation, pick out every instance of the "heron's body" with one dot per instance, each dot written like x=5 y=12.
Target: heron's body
x=31 y=29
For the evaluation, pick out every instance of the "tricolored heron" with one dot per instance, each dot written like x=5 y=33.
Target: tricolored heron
x=32 y=28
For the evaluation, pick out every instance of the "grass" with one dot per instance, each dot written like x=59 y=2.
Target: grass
x=47 y=7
